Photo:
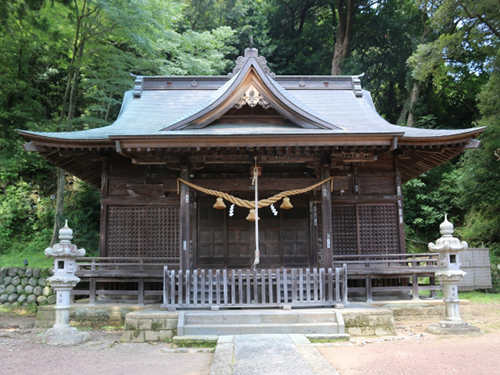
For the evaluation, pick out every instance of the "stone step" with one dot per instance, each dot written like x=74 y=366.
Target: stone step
x=267 y=328
x=260 y=317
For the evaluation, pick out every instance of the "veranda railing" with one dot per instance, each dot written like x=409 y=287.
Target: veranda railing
x=254 y=288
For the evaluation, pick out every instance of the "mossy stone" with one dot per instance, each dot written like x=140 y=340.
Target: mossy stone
x=51 y=299
x=11 y=289
x=13 y=271
x=22 y=298
x=36 y=272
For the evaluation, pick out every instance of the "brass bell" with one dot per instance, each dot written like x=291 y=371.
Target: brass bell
x=286 y=205
x=219 y=204
x=251 y=215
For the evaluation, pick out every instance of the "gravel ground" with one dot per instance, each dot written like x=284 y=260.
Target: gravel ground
x=416 y=352
x=102 y=355
x=411 y=352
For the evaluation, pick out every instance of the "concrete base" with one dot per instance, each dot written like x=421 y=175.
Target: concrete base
x=452 y=328
x=62 y=340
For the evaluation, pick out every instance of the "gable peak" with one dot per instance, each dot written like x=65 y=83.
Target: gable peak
x=251 y=53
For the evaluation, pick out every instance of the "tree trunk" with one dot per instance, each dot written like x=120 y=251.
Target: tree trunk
x=59 y=206
x=344 y=35
x=415 y=92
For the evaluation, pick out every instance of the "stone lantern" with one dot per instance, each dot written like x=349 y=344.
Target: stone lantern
x=63 y=280
x=449 y=275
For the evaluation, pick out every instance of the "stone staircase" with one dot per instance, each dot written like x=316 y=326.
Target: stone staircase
x=245 y=322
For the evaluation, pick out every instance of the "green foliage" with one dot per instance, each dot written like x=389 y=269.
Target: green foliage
x=427 y=199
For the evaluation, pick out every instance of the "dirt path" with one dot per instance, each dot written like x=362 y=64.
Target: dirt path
x=424 y=355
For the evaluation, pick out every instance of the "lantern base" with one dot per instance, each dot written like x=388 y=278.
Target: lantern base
x=446 y=327
x=62 y=340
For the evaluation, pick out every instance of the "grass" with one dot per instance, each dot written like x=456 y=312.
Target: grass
x=480 y=297
x=28 y=311
x=35 y=259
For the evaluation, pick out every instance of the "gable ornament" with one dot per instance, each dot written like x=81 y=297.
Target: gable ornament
x=252 y=97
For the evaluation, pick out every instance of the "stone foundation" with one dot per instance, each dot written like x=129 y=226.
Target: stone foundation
x=150 y=325
x=425 y=311
x=87 y=316
x=368 y=321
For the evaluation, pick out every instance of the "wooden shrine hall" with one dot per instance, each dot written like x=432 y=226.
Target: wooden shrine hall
x=182 y=142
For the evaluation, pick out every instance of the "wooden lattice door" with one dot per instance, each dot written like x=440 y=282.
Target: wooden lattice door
x=365 y=229
x=143 y=231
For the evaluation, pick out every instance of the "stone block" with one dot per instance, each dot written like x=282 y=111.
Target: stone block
x=21 y=272
x=11 y=289
x=171 y=324
x=19 y=289
x=51 y=299
x=7 y=280
x=3 y=271
x=13 y=271
x=151 y=335
x=28 y=289
x=165 y=335
x=33 y=281
x=42 y=281
x=42 y=300
x=145 y=324
x=37 y=290
x=13 y=297
x=25 y=281
x=2 y=289
x=31 y=298
x=7 y=305
x=36 y=272
x=4 y=298
x=29 y=272
x=131 y=324
x=22 y=298
x=138 y=336
x=127 y=336
x=46 y=291
x=16 y=280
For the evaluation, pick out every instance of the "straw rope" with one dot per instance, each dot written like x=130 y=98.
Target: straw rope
x=251 y=204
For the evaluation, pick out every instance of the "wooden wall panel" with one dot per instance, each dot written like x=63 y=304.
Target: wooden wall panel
x=378 y=229
x=376 y=185
x=365 y=229
x=143 y=231
x=345 y=238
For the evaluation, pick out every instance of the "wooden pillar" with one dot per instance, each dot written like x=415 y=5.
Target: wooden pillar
x=103 y=230
x=401 y=226
x=185 y=221
x=326 y=212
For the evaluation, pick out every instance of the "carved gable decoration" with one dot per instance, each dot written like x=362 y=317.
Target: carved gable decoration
x=252 y=97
